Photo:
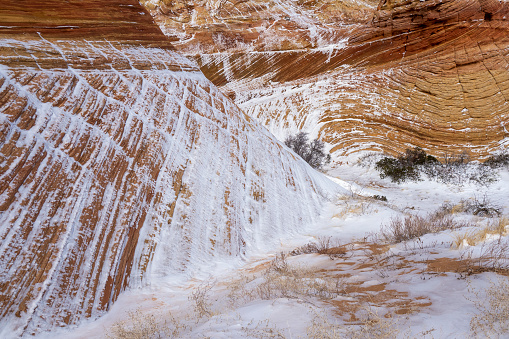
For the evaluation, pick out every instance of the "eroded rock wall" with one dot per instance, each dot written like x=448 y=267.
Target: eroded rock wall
x=416 y=73
x=121 y=164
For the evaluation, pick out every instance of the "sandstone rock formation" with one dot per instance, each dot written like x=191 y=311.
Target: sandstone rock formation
x=120 y=163
x=378 y=76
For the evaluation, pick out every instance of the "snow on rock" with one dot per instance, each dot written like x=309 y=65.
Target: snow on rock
x=121 y=165
x=409 y=73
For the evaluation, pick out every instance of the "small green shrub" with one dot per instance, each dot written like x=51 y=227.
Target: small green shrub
x=405 y=167
x=455 y=169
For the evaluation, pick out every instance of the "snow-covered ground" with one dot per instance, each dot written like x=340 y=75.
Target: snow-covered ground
x=423 y=287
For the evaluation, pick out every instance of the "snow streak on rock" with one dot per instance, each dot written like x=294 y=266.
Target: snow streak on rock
x=120 y=165
x=428 y=73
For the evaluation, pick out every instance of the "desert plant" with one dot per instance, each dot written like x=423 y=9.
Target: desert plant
x=454 y=168
x=404 y=167
x=282 y=280
x=369 y=159
x=396 y=171
x=456 y=159
x=458 y=172
x=312 y=152
x=492 y=256
x=473 y=237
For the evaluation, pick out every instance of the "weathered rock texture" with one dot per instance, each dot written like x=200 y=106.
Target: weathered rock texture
x=257 y=25
x=120 y=163
x=428 y=73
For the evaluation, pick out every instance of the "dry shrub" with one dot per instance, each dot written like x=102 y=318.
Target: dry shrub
x=199 y=297
x=297 y=283
x=239 y=291
x=482 y=207
x=280 y=280
x=369 y=160
x=143 y=326
x=324 y=245
x=492 y=317
x=414 y=226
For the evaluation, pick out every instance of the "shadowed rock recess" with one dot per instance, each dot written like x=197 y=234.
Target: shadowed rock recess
x=120 y=163
x=362 y=75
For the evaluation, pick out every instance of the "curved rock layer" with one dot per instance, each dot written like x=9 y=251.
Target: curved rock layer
x=419 y=73
x=118 y=20
x=208 y=26
x=120 y=165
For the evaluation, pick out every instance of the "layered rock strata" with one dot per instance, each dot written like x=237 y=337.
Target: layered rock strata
x=417 y=73
x=121 y=164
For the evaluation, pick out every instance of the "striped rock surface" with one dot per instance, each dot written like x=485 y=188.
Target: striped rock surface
x=431 y=73
x=121 y=164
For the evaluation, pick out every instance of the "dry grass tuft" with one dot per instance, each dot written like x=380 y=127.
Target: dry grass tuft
x=492 y=256
x=492 y=318
x=282 y=280
x=497 y=228
x=263 y=330
x=141 y=325
x=371 y=325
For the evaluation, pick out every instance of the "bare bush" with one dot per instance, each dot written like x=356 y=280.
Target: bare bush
x=456 y=159
x=457 y=172
x=482 y=207
x=493 y=256
x=414 y=226
x=369 y=159
x=297 y=283
x=199 y=297
x=312 y=152
x=282 y=280
x=263 y=330
x=324 y=245
x=498 y=160
x=279 y=263
x=308 y=248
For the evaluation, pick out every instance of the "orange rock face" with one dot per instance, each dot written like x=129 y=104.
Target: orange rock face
x=415 y=73
x=120 y=163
